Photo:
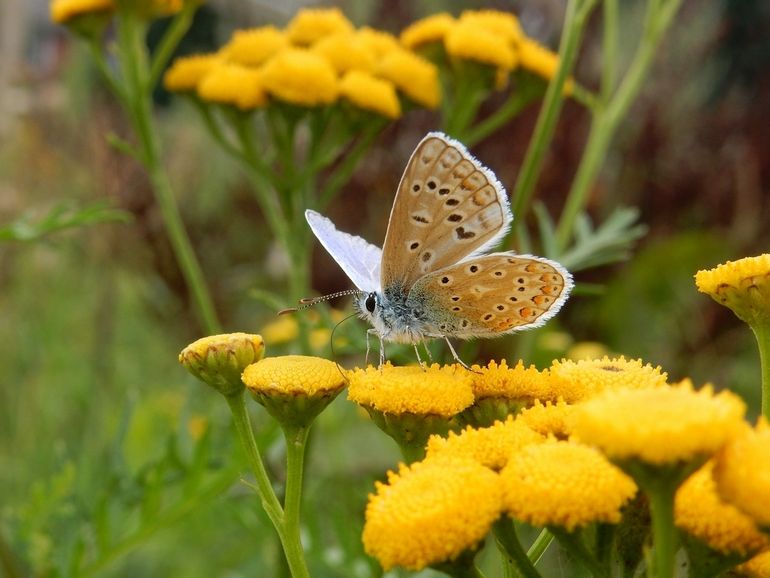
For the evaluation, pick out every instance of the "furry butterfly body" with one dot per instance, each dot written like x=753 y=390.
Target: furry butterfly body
x=432 y=279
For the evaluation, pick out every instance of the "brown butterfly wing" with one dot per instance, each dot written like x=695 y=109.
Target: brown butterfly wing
x=492 y=294
x=447 y=207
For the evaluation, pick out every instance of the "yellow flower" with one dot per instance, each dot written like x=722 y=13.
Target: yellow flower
x=416 y=77
x=294 y=375
x=743 y=472
x=521 y=383
x=233 y=84
x=564 y=484
x=300 y=77
x=186 y=72
x=431 y=512
x=743 y=286
x=345 y=51
x=549 y=419
x=757 y=567
x=576 y=380
x=540 y=61
x=502 y=24
x=432 y=28
x=282 y=330
x=661 y=425
x=490 y=446
x=253 y=46
x=470 y=41
x=294 y=389
x=443 y=391
x=587 y=350
x=63 y=11
x=309 y=25
x=371 y=93
x=700 y=512
x=378 y=42
x=218 y=360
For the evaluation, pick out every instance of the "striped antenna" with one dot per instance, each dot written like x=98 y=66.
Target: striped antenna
x=311 y=301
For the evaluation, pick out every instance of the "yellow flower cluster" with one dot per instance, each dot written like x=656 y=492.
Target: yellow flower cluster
x=489 y=37
x=318 y=59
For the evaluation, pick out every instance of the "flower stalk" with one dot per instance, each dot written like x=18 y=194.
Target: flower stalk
x=762 y=334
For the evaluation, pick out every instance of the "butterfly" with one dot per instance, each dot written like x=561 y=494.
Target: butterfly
x=432 y=278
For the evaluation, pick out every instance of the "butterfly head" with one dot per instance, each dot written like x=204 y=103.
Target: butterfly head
x=369 y=305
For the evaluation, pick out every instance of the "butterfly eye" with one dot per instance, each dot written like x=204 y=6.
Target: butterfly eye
x=370 y=303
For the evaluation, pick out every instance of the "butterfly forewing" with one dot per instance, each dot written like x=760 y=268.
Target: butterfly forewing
x=492 y=294
x=447 y=207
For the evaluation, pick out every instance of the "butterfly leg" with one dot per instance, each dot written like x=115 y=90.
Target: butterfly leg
x=419 y=359
x=427 y=350
x=457 y=357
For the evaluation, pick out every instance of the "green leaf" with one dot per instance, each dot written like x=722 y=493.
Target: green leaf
x=611 y=242
x=61 y=217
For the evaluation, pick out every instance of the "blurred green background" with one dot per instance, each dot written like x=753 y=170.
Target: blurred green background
x=92 y=318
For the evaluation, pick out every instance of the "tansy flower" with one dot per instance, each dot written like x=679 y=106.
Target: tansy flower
x=345 y=51
x=412 y=403
x=294 y=388
x=742 y=473
x=503 y=24
x=416 y=77
x=431 y=512
x=435 y=390
x=62 y=11
x=218 y=360
x=743 y=286
x=757 y=567
x=311 y=24
x=490 y=446
x=371 y=93
x=564 y=484
x=549 y=419
x=700 y=512
x=378 y=42
x=500 y=390
x=300 y=77
x=432 y=28
x=660 y=425
x=470 y=41
x=540 y=61
x=233 y=84
x=186 y=72
x=253 y=46
x=576 y=380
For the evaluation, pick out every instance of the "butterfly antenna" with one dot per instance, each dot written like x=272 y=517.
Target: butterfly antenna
x=307 y=302
x=331 y=344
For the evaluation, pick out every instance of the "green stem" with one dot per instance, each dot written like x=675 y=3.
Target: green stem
x=539 y=546
x=270 y=502
x=574 y=23
x=174 y=33
x=139 y=106
x=296 y=442
x=606 y=120
x=609 y=48
x=513 y=106
x=572 y=543
x=762 y=333
x=507 y=538
x=664 y=535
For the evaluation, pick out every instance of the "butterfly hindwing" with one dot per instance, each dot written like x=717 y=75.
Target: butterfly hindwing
x=447 y=207
x=492 y=294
